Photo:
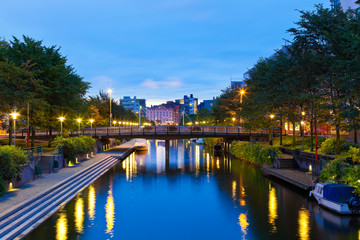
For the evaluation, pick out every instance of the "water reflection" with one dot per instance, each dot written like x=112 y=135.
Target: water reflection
x=304 y=227
x=272 y=209
x=243 y=222
x=61 y=227
x=91 y=202
x=79 y=214
x=196 y=191
x=110 y=212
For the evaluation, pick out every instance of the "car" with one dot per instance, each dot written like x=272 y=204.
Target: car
x=319 y=132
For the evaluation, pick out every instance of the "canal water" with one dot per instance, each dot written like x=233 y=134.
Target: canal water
x=193 y=195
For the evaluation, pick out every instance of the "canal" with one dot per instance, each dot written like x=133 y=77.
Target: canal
x=193 y=195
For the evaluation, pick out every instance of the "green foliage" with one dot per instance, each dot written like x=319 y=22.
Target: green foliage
x=12 y=160
x=76 y=146
x=332 y=172
x=329 y=146
x=211 y=141
x=254 y=153
x=352 y=177
x=353 y=153
x=2 y=186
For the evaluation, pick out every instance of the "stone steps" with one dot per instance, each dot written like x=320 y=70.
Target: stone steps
x=22 y=219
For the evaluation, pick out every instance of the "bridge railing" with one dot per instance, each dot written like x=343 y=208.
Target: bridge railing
x=158 y=130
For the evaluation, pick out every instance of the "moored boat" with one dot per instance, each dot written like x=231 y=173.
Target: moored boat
x=140 y=145
x=339 y=198
x=200 y=141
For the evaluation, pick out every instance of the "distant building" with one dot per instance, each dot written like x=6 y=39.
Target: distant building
x=345 y=4
x=176 y=107
x=160 y=115
x=208 y=104
x=188 y=104
x=237 y=84
x=133 y=104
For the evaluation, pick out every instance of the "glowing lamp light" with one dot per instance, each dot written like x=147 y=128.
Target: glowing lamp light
x=302 y=123
x=109 y=91
x=114 y=122
x=61 y=119
x=272 y=116
x=303 y=113
x=91 y=121
x=79 y=120
x=14 y=115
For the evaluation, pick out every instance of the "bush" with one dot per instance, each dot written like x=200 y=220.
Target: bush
x=307 y=141
x=329 y=145
x=211 y=141
x=353 y=153
x=332 y=172
x=347 y=145
x=254 y=153
x=12 y=160
x=76 y=146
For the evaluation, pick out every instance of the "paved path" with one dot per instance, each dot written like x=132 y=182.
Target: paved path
x=46 y=181
x=294 y=177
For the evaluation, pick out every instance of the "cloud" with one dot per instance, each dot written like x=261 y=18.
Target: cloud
x=170 y=82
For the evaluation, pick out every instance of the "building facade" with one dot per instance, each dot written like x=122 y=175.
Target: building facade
x=346 y=4
x=160 y=115
x=208 y=104
x=188 y=104
x=176 y=107
x=133 y=104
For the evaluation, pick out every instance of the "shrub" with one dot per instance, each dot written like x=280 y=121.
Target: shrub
x=347 y=145
x=76 y=146
x=254 y=153
x=211 y=141
x=12 y=160
x=332 y=172
x=353 y=153
x=307 y=141
x=329 y=146
x=352 y=177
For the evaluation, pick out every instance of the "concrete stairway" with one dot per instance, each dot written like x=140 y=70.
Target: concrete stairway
x=23 y=218
x=286 y=161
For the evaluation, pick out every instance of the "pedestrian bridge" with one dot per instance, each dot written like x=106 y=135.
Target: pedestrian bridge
x=166 y=132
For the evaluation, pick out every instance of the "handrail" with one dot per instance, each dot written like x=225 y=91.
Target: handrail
x=57 y=154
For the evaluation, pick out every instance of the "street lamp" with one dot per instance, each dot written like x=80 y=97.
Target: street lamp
x=110 y=92
x=242 y=92
x=61 y=119
x=79 y=121
x=14 y=115
x=302 y=137
x=91 y=122
x=114 y=123
x=271 y=131
x=233 y=119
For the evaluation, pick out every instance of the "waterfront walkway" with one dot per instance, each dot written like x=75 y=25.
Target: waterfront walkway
x=17 y=202
x=295 y=177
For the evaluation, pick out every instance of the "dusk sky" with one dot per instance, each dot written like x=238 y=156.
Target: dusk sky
x=158 y=50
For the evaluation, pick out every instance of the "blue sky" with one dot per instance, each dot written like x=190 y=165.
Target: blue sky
x=159 y=50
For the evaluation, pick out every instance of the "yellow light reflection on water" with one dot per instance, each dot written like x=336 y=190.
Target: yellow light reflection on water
x=218 y=163
x=234 y=190
x=131 y=167
x=110 y=212
x=91 y=202
x=243 y=222
x=61 y=227
x=197 y=160
x=79 y=215
x=304 y=227
x=272 y=209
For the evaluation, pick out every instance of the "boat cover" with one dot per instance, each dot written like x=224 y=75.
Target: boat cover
x=340 y=193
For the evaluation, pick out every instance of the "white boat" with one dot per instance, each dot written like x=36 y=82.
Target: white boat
x=200 y=141
x=337 y=197
x=140 y=145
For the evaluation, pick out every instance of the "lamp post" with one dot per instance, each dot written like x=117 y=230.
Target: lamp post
x=302 y=129
x=61 y=119
x=110 y=92
x=91 y=122
x=233 y=119
x=271 y=129
x=14 y=115
x=242 y=93
x=79 y=121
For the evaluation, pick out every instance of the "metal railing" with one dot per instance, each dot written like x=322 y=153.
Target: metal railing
x=56 y=156
x=161 y=130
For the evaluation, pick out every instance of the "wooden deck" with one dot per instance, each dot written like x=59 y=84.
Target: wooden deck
x=295 y=177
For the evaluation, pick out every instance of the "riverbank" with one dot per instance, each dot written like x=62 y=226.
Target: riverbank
x=33 y=198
